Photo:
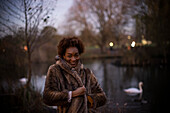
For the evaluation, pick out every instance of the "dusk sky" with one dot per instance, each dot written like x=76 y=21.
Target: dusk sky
x=61 y=11
x=56 y=17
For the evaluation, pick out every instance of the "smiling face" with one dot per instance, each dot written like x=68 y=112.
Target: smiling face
x=72 y=56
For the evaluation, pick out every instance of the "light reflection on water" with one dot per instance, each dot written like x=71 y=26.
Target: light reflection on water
x=113 y=79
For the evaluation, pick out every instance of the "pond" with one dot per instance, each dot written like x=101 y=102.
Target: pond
x=114 y=79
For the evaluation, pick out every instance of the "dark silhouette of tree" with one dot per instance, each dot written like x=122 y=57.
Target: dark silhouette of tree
x=152 y=21
x=12 y=57
x=27 y=15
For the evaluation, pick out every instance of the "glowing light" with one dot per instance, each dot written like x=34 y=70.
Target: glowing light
x=3 y=50
x=129 y=37
x=25 y=48
x=133 y=44
x=128 y=48
x=111 y=44
x=144 y=42
x=149 y=42
x=143 y=36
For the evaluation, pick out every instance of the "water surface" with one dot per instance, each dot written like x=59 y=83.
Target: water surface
x=113 y=79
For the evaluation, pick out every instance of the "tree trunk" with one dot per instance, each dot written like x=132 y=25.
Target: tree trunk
x=29 y=68
x=102 y=49
x=28 y=46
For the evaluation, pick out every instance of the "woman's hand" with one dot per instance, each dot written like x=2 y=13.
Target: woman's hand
x=79 y=91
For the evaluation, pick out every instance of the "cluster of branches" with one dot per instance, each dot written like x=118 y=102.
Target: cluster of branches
x=100 y=21
x=26 y=16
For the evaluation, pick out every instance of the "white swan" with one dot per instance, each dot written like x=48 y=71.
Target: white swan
x=135 y=90
x=23 y=80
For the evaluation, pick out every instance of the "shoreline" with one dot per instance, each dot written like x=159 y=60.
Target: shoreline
x=121 y=60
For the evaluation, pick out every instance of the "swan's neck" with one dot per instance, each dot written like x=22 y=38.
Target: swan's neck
x=140 y=88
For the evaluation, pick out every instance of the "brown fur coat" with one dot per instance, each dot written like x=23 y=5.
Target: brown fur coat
x=61 y=79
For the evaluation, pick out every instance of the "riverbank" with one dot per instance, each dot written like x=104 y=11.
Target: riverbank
x=134 y=57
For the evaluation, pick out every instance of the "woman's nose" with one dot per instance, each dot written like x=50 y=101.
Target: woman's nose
x=73 y=59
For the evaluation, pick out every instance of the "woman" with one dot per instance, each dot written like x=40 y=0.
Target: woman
x=70 y=86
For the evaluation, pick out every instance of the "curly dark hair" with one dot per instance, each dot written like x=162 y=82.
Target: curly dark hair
x=70 y=42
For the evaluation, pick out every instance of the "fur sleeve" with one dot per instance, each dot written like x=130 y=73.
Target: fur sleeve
x=97 y=94
x=53 y=95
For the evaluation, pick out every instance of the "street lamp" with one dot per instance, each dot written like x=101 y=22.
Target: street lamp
x=111 y=45
x=144 y=41
x=133 y=44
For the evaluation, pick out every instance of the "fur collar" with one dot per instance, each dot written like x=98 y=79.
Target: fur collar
x=76 y=72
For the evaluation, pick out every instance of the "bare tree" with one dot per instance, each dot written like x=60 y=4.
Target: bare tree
x=28 y=15
x=104 y=18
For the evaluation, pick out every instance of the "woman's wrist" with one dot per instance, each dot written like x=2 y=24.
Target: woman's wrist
x=69 y=96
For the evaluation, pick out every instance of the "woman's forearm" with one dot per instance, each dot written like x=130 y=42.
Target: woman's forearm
x=79 y=91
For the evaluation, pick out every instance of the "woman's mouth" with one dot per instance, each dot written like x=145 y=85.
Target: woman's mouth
x=73 y=64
